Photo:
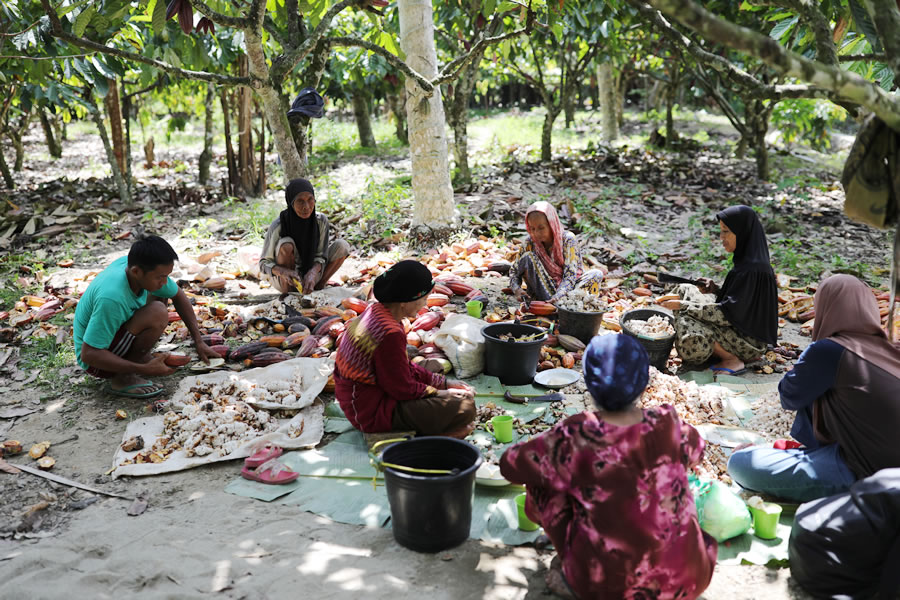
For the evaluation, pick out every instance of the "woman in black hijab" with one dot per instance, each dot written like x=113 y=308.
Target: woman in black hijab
x=297 y=248
x=742 y=319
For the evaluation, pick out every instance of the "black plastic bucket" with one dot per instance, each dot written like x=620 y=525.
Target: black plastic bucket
x=658 y=349
x=429 y=512
x=514 y=363
x=583 y=325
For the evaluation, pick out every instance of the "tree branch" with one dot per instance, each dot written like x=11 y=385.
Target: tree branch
x=864 y=57
x=285 y=63
x=395 y=61
x=57 y=31
x=291 y=7
x=256 y=14
x=452 y=69
x=841 y=84
x=218 y=18
x=270 y=26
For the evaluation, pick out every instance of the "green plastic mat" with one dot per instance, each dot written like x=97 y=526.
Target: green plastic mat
x=336 y=482
x=749 y=549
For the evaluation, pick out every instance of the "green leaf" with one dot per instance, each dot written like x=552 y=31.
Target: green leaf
x=864 y=24
x=387 y=42
x=507 y=6
x=87 y=74
x=83 y=19
x=102 y=68
x=100 y=82
x=159 y=15
x=487 y=9
x=884 y=75
x=783 y=28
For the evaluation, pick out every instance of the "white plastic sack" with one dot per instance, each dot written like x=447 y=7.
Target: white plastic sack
x=461 y=340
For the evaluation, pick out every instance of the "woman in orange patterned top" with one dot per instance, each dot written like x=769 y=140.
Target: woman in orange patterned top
x=377 y=386
x=551 y=265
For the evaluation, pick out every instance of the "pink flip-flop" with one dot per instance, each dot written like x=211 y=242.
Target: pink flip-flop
x=266 y=453
x=272 y=472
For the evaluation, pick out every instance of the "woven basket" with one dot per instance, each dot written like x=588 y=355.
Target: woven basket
x=657 y=348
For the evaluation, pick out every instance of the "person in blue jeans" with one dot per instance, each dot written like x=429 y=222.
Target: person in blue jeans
x=845 y=389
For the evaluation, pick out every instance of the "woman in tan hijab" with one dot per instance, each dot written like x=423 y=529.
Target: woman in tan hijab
x=846 y=390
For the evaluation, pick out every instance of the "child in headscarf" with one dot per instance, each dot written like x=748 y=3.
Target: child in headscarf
x=551 y=265
x=377 y=386
x=742 y=319
x=610 y=488
x=297 y=246
x=845 y=388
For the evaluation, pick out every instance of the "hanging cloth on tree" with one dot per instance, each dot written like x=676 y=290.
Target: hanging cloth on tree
x=308 y=103
x=871 y=181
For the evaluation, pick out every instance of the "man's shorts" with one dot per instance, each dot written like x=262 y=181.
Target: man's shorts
x=120 y=346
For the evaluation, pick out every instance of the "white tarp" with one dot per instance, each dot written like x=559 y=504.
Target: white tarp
x=303 y=430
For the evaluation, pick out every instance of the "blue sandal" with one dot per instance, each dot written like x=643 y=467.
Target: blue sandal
x=126 y=392
x=721 y=370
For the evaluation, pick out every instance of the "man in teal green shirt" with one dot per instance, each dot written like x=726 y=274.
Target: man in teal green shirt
x=122 y=315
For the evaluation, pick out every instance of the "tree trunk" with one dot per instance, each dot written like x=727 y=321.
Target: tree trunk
x=52 y=144
x=114 y=114
x=259 y=188
x=459 y=120
x=569 y=105
x=16 y=140
x=4 y=170
x=397 y=101
x=432 y=192
x=233 y=179
x=621 y=84
x=311 y=77
x=124 y=192
x=126 y=112
x=15 y=134
x=547 y=132
x=363 y=120
x=275 y=106
x=246 y=168
x=595 y=91
x=608 y=98
x=670 y=122
x=206 y=155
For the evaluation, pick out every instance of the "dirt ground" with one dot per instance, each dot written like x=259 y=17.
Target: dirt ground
x=194 y=540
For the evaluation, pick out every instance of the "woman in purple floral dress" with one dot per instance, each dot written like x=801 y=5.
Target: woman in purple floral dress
x=610 y=488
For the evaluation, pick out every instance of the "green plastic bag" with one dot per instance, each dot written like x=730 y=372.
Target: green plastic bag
x=722 y=513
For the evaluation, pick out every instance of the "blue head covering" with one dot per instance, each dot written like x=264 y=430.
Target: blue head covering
x=616 y=370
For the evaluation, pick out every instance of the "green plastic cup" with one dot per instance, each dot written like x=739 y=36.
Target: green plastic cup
x=473 y=307
x=502 y=428
x=525 y=524
x=765 y=520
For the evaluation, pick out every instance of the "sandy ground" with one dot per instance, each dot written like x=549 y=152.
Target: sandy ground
x=195 y=541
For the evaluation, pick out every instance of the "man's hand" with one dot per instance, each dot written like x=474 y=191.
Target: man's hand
x=672 y=304
x=157 y=366
x=204 y=351
x=522 y=296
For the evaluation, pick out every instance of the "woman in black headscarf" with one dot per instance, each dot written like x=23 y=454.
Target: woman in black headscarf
x=296 y=248
x=742 y=319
